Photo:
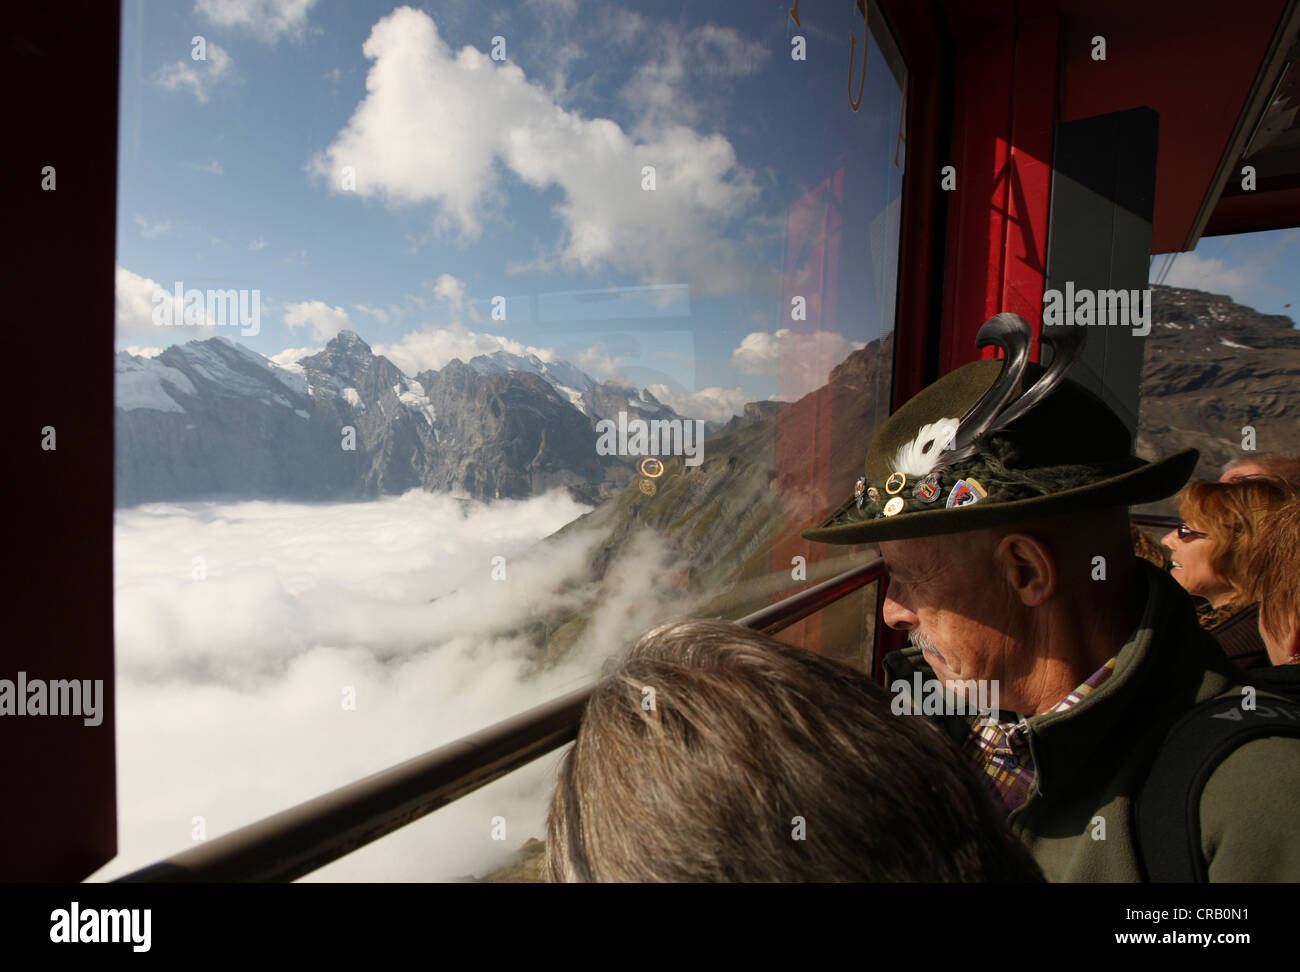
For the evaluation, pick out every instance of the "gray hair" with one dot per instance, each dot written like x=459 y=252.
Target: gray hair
x=715 y=753
x=1273 y=463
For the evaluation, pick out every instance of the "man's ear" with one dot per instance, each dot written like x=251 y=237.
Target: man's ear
x=1028 y=567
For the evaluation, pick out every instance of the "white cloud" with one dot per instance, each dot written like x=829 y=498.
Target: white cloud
x=151 y=230
x=288 y=358
x=199 y=77
x=449 y=289
x=457 y=115
x=711 y=404
x=134 y=305
x=375 y=312
x=555 y=9
x=229 y=690
x=325 y=321
x=212 y=168
x=257 y=244
x=600 y=363
x=660 y=91
x=1205 y=273
x=723 y=51
x=140 y=352
x=620 y=27
x=432 y=349
x=799 y=362
x=268 y=20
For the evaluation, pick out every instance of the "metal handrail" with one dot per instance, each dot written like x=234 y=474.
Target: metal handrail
x=310 y=835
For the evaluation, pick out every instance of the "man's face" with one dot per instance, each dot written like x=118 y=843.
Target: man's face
x=943 y=592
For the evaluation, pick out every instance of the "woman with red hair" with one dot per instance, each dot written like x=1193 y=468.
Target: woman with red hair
x=1211 y=556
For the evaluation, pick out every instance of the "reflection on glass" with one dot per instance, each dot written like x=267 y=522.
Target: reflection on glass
x=379 y=519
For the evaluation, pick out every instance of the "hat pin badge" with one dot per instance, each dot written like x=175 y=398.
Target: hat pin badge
x=967 y=492
x=927 y=490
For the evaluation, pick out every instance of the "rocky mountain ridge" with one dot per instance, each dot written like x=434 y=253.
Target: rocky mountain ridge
x=1213 y=367
x=213 y=420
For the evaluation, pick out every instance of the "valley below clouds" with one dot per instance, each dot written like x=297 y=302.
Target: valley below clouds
x=242 y=628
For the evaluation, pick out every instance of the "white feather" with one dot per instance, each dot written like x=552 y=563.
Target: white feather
x=921 y=455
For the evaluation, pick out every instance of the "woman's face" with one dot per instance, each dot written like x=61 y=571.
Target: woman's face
x=1192 y=568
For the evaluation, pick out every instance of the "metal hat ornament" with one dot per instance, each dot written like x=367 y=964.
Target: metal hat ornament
x=948 y=441
x=977 y=449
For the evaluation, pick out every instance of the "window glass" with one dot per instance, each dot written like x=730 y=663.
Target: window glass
x=1221 y=361
x=455 y=347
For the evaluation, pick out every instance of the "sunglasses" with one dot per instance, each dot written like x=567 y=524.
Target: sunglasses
x=1187 y=533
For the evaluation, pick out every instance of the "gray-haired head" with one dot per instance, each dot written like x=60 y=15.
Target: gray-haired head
x=715 y=753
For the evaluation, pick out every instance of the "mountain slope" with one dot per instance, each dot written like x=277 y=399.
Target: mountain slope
x=211 y=418
x=214 y=420
x=732 y=523
x=1213 y=366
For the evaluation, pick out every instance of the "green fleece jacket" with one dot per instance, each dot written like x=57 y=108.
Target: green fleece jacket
x=1093 y=758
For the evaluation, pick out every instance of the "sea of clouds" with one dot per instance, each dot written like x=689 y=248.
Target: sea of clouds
x=232 y=668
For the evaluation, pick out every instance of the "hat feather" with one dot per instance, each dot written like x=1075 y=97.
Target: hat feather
x=921 y=455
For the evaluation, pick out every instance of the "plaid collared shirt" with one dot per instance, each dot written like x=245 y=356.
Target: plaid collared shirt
x=1001 y=749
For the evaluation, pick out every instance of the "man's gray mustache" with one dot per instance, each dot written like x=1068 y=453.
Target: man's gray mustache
x=926 y=645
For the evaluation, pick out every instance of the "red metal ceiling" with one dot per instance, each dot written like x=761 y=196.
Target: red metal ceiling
x=1193 y=61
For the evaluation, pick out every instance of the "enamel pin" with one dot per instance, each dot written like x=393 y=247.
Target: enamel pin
x=894 y=506
x=895 y=483
x=966 y=493
x=927 y=490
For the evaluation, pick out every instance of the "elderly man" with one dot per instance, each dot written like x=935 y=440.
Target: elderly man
x=998 y=497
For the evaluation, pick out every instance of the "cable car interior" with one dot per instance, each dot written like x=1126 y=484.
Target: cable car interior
x=901 y=172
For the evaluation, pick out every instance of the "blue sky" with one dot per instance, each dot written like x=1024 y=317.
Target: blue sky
x=1259 y=270
x=521 y=177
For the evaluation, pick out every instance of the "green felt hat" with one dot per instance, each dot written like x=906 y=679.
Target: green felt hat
x=1023 y=443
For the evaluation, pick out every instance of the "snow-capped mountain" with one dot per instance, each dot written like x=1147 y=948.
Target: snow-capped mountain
x=164 y=383
x=595 y=399
x=212 y=419
x=569 y=380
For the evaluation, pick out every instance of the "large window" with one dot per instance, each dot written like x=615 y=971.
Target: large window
x=457 y=346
